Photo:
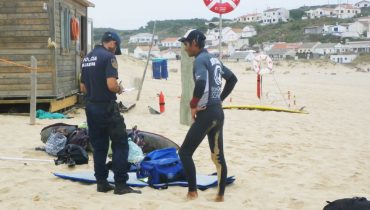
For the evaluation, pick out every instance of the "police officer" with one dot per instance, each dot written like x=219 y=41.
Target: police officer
x=99 y=83
x=206 y=110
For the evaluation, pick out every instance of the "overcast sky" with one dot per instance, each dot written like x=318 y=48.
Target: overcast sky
x=132 y=14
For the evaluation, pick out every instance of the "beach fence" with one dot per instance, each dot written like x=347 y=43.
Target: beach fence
x=33 y=85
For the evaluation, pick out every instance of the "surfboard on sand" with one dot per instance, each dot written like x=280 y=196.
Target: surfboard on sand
x=266 y=108
x=203 y=181
x=153 y=141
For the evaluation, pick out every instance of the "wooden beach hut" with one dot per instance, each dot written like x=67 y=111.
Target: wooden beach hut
x=57 y=33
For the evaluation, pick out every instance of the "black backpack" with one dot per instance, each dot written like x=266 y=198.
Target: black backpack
x=355 y=203
x=79 y=137
x=72 y=154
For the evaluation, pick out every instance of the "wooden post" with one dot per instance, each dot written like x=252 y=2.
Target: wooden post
x=187 y=86
x=146 y=65
x=33 y=90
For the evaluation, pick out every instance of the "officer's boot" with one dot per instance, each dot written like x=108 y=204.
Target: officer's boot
x=123 y=188
x=104 y=186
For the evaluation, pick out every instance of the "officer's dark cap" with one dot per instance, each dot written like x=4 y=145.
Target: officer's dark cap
x=112 y=36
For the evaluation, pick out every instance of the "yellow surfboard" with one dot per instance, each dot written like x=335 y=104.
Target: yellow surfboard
x=266 y=108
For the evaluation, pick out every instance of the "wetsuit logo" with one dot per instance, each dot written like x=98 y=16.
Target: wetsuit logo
x=217 y=75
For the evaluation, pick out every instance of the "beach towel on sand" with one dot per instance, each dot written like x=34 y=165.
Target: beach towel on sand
x=203 y=181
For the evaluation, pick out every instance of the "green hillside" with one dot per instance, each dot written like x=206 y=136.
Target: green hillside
x=292 y=31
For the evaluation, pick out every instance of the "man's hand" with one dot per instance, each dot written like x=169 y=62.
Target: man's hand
x=194 y=111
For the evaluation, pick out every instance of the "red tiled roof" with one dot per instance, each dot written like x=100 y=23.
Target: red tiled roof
x=250 y=15
x=170 y=39
x=347 y=6
x=237 y=30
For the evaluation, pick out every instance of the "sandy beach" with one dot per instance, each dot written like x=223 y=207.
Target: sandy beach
x=280 y=160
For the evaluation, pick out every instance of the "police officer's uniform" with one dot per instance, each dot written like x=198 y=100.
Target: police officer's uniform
x=103 y=117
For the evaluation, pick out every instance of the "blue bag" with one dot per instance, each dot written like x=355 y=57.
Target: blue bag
x=161 y=166
x=169 y=152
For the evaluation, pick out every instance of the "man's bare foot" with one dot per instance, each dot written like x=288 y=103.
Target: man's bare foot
x=192 y=195
x=219 y=198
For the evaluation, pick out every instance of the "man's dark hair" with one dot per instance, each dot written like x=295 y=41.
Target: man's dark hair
x=200 y=42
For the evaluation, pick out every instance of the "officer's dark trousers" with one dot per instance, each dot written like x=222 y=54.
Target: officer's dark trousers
x=105 y=122
x=208 y=122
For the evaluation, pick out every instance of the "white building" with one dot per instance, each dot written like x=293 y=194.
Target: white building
x=345 y=11
x=308 y=47
x=142 y=52
x=320 y=12
x=230 y=34
x=250 y=18
x=171 y=42
x=212 y=37
x=363 y=4
x=357 y=29
x=337 y=30
x=345 y=58
x=343 y=48
x=325 y=49
x=240 y=45
x=248 y=31
x=143 y=38
x=273 y=16
x=360 y=46
x=281 y=53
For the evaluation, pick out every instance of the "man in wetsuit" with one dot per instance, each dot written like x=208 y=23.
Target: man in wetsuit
x=99 y=83
x=206 y=110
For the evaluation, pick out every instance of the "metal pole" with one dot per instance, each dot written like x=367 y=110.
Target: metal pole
x=33 y=90
x=146 y=65
x=220 y=37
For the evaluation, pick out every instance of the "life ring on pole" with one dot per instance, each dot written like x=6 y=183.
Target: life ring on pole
x=257 y=64
x=221 y=7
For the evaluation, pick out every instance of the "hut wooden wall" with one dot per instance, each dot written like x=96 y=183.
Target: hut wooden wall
x=68 y=59
x=24 y=30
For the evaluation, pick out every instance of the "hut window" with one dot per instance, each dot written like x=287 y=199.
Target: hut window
x=65 y=31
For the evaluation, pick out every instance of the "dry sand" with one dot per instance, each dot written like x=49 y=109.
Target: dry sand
x=280 y=160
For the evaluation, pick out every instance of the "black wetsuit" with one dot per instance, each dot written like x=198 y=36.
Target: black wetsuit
x=208 y=73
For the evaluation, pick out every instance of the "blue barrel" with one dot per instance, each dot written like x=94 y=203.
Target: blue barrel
x=164 y=70
x=156 y=65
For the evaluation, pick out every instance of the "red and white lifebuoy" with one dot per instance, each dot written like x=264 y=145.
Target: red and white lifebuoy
x=221 y=7
x=257 y=61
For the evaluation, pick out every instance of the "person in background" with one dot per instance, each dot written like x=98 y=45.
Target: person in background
x=99 y=83
x=206 y=110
